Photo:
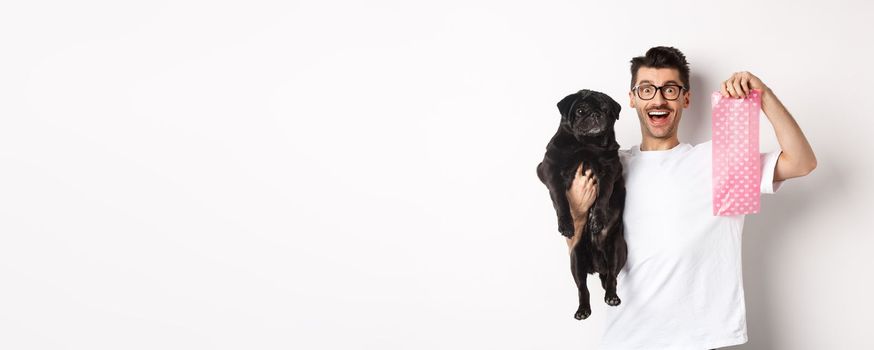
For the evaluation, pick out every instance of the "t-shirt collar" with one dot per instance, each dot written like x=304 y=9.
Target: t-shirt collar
x=635 y=150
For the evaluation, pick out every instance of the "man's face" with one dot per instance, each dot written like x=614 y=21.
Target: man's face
x=651 y=126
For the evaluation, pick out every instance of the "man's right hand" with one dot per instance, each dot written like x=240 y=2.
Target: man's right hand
x=581 y=196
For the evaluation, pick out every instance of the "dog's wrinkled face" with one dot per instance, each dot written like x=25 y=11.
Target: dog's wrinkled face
x=588 y=113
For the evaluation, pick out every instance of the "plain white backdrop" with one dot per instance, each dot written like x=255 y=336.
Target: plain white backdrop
x=361 y=175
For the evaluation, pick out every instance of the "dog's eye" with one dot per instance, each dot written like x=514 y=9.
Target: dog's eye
x=579 y=111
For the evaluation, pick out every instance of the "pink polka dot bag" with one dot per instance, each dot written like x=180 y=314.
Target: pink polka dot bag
x=736 y=168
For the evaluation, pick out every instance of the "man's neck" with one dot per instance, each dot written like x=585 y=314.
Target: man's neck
x=658 y=144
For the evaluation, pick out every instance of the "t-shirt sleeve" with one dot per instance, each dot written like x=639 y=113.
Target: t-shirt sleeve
x=769 y=164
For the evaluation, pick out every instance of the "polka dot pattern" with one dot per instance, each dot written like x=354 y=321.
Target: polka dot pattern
x=736 y=168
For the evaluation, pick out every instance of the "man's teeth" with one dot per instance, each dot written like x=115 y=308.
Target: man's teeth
x=658 y=113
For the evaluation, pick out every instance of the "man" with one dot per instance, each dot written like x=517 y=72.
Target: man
x=681 y=286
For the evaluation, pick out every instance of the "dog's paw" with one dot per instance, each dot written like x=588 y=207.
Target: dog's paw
x=566 y=227
x=583 y=313
x=600 y=220
x=612 y=300
x=594 y=225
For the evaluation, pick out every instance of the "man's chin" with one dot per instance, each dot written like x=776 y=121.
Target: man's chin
x=660 y=134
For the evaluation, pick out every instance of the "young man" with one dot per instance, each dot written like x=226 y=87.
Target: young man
x=681 y=286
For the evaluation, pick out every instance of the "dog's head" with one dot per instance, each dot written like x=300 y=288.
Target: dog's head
x=588 y=113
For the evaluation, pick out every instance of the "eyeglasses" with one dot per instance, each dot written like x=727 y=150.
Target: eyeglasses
x=648 y=91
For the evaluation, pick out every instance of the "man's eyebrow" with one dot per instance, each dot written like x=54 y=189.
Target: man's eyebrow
x=669 y=82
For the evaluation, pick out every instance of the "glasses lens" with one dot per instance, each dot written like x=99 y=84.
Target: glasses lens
x=671 y=92
x=646 y=92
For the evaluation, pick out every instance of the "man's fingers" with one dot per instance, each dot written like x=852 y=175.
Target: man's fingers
x=737 y=89
x=745 y=85
x=729 y=86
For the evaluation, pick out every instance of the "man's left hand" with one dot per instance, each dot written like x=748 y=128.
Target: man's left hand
x=739 y=84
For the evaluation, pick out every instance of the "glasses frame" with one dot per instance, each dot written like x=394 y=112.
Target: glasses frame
x=659 y=91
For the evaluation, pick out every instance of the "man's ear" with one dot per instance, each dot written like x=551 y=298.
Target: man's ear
x=687 y=99
x=566 y=103
x=631 y=99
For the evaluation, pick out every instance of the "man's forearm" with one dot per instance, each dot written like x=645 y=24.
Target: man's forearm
x=579 y=224
x=797 y=158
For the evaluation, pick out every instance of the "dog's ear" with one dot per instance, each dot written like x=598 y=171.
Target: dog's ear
x=566 y=103
x=616 y=107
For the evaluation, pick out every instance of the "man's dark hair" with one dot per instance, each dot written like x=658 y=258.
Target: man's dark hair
x=662 y=57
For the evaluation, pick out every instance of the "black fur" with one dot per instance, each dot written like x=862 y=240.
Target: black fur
x=586 y=136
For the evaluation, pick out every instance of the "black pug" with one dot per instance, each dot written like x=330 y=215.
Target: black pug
x=586 y=135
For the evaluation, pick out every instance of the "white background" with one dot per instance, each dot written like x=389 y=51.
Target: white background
x=361 y=175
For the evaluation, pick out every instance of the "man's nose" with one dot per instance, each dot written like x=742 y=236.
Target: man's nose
x=658 y=98
x=658 y=103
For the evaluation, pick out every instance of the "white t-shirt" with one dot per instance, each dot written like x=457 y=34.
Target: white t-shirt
x=682 y=285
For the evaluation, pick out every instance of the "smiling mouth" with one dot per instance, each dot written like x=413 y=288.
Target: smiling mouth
x=658 y=117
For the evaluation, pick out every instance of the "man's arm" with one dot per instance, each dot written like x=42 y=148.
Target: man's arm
x=579 y=224
x=580 y=197
x=797 y=158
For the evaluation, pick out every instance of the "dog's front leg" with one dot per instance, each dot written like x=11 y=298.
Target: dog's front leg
x=565 y=219
x=562 y=211
x=557 y=186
